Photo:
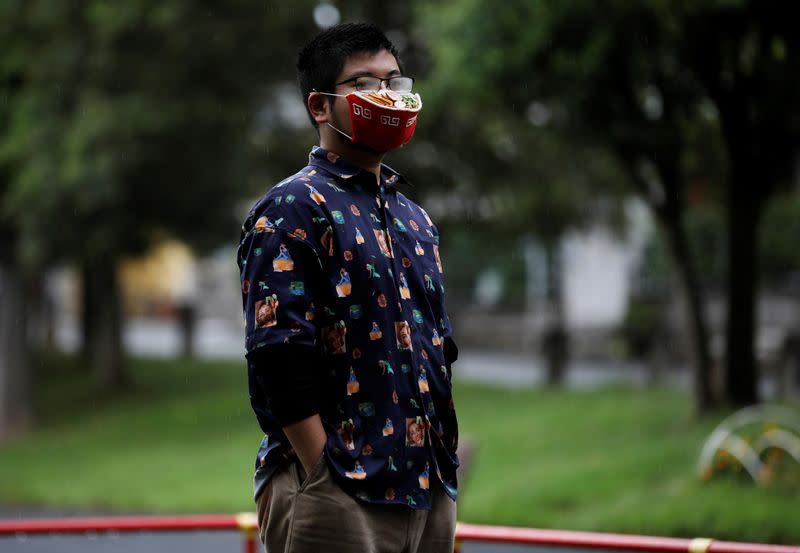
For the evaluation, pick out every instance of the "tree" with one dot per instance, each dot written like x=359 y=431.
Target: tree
x=746 y=55
x=518 y=63
x=128 y=124
x=637 y=79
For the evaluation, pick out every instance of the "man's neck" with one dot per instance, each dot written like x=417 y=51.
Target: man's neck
x=369 y=161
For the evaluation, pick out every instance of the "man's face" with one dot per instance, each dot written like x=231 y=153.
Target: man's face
x=381 y=64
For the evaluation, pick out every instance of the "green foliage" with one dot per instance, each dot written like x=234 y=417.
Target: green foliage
x=129 y=123
x=780 y=256
x=779 y=259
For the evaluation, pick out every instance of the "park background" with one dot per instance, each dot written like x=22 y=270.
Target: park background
x=616 y=185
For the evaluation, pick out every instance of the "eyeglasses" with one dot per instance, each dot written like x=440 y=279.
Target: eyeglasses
x=368 y=83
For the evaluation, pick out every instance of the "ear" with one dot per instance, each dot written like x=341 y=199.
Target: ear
x=318 y=107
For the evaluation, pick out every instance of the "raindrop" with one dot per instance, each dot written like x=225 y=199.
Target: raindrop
x=326 y=15
x=538 y=114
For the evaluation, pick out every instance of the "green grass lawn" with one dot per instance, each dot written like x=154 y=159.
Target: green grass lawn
x=184 y=441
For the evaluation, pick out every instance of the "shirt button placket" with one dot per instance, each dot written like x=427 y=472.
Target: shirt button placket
x=414 y=367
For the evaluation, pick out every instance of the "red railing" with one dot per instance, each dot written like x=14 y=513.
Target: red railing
x=248 y=525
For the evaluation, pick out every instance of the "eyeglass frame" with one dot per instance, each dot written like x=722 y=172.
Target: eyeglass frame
x=386 y=80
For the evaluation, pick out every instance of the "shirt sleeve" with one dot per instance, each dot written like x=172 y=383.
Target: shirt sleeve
x=282 y=278
x=281 y=269
x=279 y=278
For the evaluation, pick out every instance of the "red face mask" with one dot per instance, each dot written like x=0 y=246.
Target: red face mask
x=381 y=121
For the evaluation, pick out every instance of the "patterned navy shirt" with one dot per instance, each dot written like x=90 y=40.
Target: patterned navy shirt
x=332 y=261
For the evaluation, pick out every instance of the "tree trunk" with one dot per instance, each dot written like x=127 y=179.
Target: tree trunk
x=692 y=292
x=104 y=334
x=16 y=410
x=741 y=371
x=668 y=213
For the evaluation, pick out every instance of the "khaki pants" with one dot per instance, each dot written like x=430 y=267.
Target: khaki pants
x=311 y=514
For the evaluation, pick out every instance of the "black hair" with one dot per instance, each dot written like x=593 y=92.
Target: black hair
x=320 y=61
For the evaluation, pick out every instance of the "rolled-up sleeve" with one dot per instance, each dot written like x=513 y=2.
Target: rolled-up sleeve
x=282 y=284
x=279 y=277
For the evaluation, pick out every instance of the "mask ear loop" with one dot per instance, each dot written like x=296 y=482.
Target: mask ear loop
x=350 y=138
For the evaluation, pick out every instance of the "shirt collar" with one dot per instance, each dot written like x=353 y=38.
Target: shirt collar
x=344 y=170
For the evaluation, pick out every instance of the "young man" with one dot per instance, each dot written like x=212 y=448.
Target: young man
x=348 y=342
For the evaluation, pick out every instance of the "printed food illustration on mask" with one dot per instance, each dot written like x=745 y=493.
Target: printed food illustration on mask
x=381 y=120
x=390 y=98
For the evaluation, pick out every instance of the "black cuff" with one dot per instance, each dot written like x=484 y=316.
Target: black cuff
x=450 y=351
x=286 y=374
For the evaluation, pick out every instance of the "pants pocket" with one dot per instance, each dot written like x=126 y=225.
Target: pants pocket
x=302 y=479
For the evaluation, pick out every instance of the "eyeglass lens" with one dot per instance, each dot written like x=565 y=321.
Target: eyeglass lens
x=398 y=84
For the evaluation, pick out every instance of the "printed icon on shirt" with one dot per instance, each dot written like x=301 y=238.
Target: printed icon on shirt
x=423 y=380
x=283 y=261
x=381 y=299
x=429 y=283
x=375 y=333
x=424 y=478
x=345 y=429
x=415 y=432
x=333 y=337
x=398 y=224
x=352 y=383
x=267 y=311
x=315 y=195
x=354 y=210
x=371 y=271
x=359 y=237
x=327 y=240
x=419 y=249
x=297 y=288
x=383 y=242
x=310 y=312
x=358 y=473
x=386 y=367
x=356 y=311
x=264 y=225
x=388 y=427
x=366 y=409
x=427 y=218
x=438 y=259
x=436 y=339
x=343 y=287
x=405 y=293
x=338 y=217
x=413 y=224
x=403 y=333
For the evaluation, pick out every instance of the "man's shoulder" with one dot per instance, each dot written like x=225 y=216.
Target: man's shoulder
x=296 y=196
